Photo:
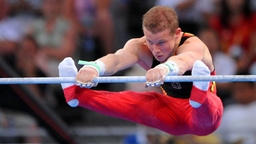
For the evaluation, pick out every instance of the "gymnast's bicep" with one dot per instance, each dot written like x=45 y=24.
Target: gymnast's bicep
x=128 y=55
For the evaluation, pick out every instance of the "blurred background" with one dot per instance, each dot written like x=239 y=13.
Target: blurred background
x=35 y=35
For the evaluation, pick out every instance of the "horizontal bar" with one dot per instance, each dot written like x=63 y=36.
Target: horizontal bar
x=127 y=79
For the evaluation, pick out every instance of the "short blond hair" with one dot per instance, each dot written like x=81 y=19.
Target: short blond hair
x=160 y=18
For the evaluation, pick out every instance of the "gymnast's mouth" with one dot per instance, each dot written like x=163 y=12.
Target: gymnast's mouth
x=158 y=57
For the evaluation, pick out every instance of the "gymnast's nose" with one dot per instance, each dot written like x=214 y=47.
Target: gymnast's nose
x=155 y=49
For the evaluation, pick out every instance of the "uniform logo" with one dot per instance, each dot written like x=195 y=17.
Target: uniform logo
x=176 y=85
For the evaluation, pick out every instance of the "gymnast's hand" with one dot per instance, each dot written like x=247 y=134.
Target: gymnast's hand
x=85 y=77
x=155 y=76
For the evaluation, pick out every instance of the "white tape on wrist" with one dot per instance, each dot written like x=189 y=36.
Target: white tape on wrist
x=166 y=67
x=98 y=65
x=102 y=67
x=173 y=68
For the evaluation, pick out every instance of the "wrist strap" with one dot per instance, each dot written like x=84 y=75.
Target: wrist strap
x=173 y=68
x=102 y=66
x=166 y=67
x=98 y=65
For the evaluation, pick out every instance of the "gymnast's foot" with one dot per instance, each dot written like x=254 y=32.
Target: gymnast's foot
x=200 y=69
x=67 y=68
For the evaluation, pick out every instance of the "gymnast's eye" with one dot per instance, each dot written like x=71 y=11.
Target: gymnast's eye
x=161 y=42
x=150 y=42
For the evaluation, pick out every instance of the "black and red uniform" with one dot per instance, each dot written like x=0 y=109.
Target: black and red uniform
x=169 y=111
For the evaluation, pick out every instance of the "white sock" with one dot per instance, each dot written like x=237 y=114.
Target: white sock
x=194 y=104
x=199 y=69
x=67 y=68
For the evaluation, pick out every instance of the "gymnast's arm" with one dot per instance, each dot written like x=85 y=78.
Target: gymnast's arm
x=121 y=59
x=193 y=49
x=180 y=62
x=190 y=51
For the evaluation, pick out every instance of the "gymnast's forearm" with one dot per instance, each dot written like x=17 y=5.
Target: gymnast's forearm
x=111 y=62
x=114 y=63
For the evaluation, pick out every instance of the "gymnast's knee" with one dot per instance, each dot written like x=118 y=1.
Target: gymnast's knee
x=206 y=130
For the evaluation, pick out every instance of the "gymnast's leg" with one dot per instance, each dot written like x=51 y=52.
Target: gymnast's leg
x=207 y=107
x=148 y=108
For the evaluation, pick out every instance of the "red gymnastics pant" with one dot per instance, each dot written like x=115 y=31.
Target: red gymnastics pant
x=172 y=115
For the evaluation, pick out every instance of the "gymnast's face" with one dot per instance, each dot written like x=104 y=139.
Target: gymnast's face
x=161 y=44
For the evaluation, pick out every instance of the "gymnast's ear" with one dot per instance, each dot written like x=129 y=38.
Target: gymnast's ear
x=178 y=33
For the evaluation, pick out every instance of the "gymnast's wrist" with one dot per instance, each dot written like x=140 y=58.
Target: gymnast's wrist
x=102 y=67
x=98 y=65
x=173 y=69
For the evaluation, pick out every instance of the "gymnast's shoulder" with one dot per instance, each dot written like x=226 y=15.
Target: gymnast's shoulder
x=136 y=44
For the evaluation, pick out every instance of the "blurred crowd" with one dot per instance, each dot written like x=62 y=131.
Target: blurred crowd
x=35 y=35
